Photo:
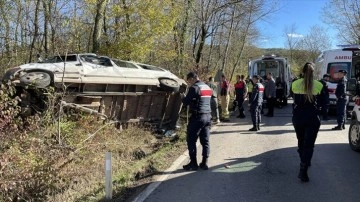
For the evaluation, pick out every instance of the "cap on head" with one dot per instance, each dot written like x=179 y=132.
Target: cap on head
x=191 y=75
x=256 y=77
x=326 y=76
x=342 y=71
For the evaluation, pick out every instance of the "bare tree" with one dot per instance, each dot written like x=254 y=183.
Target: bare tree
x=227 y=45
x=252 y=12
x=314 y=42
x=292 y=39
x=344 y=16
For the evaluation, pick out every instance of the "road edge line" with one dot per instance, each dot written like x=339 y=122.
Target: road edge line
x=152 y=186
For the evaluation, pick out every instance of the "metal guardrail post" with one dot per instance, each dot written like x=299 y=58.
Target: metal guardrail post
x=108 y=176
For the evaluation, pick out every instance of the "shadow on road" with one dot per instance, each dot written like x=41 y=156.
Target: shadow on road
x=270 y=176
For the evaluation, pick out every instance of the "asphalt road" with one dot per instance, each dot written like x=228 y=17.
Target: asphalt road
x=263 y=166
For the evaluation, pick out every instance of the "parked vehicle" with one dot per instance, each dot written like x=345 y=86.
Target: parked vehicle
x=330 y=62
x=277 y=65
x=354 y=91
x=354 y=130
x=120 y=90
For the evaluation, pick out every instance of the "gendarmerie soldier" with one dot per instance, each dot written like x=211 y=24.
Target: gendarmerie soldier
x=198 y=98
x=341 y=100
x=255 y=102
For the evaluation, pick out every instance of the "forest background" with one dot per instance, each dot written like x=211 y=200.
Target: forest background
x=201 y=35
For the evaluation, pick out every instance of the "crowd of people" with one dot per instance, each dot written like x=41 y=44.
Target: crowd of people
x=244 y=88
x=310 y=101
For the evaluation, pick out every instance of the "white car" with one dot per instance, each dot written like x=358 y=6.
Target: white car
x=113 y=88
x=354 y=130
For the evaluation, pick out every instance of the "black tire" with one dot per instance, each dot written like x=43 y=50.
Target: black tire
x=36 y=79
x=168 y=84
x=354 y=135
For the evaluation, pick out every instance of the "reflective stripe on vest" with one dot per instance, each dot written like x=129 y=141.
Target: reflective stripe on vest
x=261 y=87
x=205 y=91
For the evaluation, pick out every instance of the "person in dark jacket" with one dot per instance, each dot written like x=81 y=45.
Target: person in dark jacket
x=341 y=101
x=306 y=120
x=325 y=102
x=270 y=94
x=255 y=102
x=240 y=94
x=198 y=98
x=280 y=92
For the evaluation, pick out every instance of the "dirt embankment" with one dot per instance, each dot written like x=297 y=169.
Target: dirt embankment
x=37 y=163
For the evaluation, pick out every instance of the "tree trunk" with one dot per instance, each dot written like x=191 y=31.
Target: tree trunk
x=198 y=55
x=179 y=36
x=36 y=30
x=100 y=7
x=7 y=31
x=228 y=42
x=46 y=22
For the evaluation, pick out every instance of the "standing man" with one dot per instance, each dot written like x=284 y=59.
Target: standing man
x=198 y=98
x=325 y=101
x=255 y=102
x=341 y=100
x=240 y=94
x=214 y=100
x=225 y=98
x=270 y=94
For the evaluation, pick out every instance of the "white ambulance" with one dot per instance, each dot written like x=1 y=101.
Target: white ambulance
x=278 y=66
x=330 y=62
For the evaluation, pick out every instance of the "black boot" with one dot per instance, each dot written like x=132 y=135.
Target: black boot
x=192 y=165
x=343 y=126
x=258 y=127
x=203 y=165
x=337 y=128
x=303 y=176
x=254 y=128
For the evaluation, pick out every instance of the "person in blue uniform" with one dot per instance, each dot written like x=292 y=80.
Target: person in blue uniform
x=341 y=100
x=255 y=102
x=306 y=93
x=198 y=98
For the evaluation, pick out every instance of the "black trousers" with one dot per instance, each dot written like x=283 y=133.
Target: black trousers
x=271 y=104
x=240 y=104
x=199 y=126
x=255 y=114
x=306 y=123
